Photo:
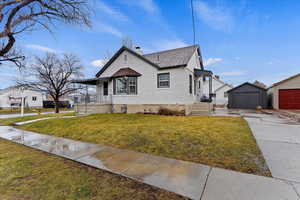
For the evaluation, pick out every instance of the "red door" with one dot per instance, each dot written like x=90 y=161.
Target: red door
x=289 y=99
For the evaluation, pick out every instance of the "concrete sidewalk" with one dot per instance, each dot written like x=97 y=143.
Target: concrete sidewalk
x=188 y=179
x=5 y=116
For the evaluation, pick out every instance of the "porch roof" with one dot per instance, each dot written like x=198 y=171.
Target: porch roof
x=91 y=81
x=200 y=72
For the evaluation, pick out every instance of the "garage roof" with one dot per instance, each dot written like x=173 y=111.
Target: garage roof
x=280 y=82
x=247 y=83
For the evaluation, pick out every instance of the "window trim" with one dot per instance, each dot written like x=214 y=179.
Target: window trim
x=127 y=86
x=158 y=81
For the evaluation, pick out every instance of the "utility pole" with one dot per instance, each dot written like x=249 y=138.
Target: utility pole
x=193 y=19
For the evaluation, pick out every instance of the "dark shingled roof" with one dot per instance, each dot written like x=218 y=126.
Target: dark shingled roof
x=161 y=60
x=125 y=72
x=173 y=57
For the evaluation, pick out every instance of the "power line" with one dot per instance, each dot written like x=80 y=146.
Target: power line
x=193 y=19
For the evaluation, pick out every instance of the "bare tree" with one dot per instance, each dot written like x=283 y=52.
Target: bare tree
x=20 y=16
x=51 y=74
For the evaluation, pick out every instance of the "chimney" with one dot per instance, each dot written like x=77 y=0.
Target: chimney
x=217 y=77
x=138 y=50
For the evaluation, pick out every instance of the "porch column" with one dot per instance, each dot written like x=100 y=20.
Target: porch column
x=210 y=86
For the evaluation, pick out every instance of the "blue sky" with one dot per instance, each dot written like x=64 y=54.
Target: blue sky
x=241 y=40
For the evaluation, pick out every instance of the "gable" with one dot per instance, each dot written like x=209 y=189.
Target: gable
x=293 y=81
x=119 y=53
x=138 y=65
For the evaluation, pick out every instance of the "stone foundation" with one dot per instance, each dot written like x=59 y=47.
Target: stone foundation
x=93 y=108
x=133 y=108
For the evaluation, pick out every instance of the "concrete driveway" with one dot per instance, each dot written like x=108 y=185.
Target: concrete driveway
x=279 y=141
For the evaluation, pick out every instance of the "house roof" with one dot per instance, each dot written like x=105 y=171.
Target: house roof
x=247 y=83
x=125 y=72
x=161 y=60
x=290 y=78
x=172 y=58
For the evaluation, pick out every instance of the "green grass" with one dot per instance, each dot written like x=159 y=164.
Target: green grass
x=31 y=110
x=225 y=142
x=11 y=121
x=26 y=173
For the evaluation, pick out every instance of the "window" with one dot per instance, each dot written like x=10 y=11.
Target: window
x=163 y=80
x=34 y=98
x=191 y=84
x=125 y=85
x=105 y=88
x=199 y=86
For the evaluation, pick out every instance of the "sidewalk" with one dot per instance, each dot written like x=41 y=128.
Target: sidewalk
x=5 y=116
x=192 y=180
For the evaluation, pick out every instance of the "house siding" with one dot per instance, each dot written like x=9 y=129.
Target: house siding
x=148 y=93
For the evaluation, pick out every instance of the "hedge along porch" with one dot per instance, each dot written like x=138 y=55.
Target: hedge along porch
x=132 y=82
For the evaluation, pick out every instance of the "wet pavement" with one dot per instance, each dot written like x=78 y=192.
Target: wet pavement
x=5 y=116
x=279 y=141
x=192 y=180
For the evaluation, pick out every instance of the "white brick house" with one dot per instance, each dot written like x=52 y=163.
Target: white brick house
x=172 y=78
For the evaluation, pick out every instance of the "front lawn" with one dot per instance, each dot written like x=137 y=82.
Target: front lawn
x=26 y=173
x=225 y=142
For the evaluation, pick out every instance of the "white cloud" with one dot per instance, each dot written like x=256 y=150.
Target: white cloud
x=41 y=48
x=98 y=63
x=233 y=73
x=219 y=18
x=170 y=44
x=148 y=5
x=212 y=61
x=108 y=29
x=112 y=12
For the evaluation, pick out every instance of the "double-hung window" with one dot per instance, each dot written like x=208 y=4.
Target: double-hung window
x=163 y=80
x=125 y=85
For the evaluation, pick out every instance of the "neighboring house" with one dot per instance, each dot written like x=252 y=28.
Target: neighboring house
x=134 y=82
x=11 y=97
x=219 y=88
x=286 y=93
x=247 y=96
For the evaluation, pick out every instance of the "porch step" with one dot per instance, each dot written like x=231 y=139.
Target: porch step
x=201 y=109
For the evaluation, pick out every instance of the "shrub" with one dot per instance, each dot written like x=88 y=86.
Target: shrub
x=166 y=111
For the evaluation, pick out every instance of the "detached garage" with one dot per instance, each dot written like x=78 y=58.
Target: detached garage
x=247 y=96
x=286 y=94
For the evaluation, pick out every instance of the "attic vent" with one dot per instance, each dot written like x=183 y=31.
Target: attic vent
x=157 y=57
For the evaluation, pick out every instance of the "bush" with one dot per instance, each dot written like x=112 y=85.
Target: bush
x=166 y=111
